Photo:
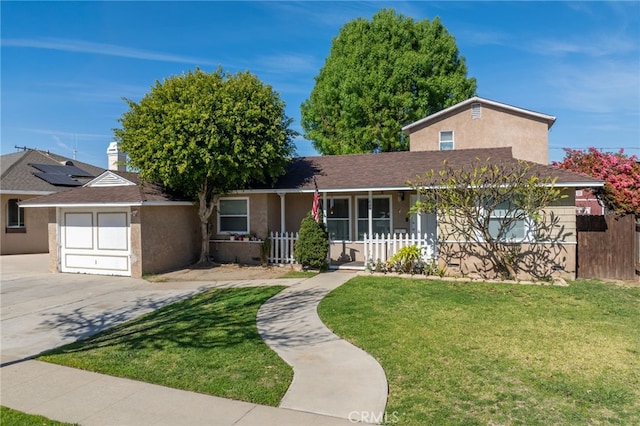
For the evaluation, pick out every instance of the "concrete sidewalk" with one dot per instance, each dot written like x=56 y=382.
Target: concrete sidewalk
x=92 y=399
x=331 y=376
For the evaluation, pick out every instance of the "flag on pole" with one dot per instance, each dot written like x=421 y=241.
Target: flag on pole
x=315 y=209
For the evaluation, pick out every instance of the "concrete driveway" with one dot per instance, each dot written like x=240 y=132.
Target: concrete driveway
x=41 y=310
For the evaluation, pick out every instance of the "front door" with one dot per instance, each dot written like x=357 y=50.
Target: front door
x=428 y=229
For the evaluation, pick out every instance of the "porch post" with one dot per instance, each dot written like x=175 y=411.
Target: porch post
x=419 y=220
x=282 y=211
x=370 y=214
x=324 y=208
x=324 y=220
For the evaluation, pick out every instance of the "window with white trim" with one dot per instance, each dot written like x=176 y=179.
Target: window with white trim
x=338 y=219
x=446 y=140
x=504 y=224
x=381 y=216
x=15 y=214
x=233 y=216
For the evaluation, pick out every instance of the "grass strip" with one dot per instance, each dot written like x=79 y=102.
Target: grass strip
x=10 y=417
x=208 y=344
x=299 y=274
x=466 y=354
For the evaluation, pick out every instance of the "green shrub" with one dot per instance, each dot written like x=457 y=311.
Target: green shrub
x=407 y=260
x=313 y=244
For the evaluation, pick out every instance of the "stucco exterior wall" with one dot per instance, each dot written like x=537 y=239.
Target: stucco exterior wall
x=169 y=238
x=528 y=136
x=52 y=237
x=34 y=239
x=241 y=252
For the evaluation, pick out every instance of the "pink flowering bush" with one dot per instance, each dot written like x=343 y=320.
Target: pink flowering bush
x=621 y=174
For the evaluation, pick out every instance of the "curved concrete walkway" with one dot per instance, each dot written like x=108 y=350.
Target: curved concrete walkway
x=331 y=376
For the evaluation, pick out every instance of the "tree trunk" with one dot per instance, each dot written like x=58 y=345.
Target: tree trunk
x=206 y=204
x=204 y=248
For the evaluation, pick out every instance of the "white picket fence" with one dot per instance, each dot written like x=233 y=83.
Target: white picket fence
x=381 y=247
x=282 y=245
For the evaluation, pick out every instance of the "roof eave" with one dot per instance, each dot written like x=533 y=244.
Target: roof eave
x=113 y=204
x=548 y=118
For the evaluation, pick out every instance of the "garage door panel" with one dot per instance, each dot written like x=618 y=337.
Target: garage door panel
x=112 y=231
x=96 y=241
x=79 y=230
x=89 y=261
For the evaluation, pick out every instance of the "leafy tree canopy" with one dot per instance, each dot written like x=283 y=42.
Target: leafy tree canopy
x=621 y=174
x=379 y=76
x=205 y=134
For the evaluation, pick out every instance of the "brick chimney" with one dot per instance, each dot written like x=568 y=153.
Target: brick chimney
x=117 y=160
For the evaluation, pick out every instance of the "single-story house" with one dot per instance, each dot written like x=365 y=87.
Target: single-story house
x=32 y=173
x=368 y=194
x=117 y=225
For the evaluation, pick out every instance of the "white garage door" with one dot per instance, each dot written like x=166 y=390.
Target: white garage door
x=95 y=241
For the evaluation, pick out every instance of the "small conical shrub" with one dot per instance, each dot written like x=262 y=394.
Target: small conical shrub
x=312 y=246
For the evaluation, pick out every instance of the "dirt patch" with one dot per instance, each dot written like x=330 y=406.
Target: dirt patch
x=223 y=272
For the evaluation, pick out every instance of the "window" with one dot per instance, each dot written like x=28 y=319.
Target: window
x=381 y=216
x=504 y=226
x=338 y=219
x=233 y=216
x=446 y=140
x=15 y=214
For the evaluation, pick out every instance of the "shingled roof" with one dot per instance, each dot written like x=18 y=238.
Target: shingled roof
x=392 y=170
x=333 y=173
x=19 y=175
x=129 y=191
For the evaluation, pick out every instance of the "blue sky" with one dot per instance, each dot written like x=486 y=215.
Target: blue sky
x=66 y=66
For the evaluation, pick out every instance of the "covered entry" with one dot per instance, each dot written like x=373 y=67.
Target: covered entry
x=95 y=241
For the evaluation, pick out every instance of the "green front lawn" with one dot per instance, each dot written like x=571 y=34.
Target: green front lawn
x=9 y=417
x=208 y=344
x=475 y=353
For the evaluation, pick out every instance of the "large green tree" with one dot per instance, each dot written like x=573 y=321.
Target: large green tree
x=205 y=134
x=379 y=76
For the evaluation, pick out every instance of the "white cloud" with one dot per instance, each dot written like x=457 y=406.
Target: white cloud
x=594 y=46
x=80 y=46
x=57 y=134
x=602 y=87
x=287 y=63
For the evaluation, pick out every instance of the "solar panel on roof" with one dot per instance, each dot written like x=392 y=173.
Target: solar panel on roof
x=55 y=169
x=58 y=179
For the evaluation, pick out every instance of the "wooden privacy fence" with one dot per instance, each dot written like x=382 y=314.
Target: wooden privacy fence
x=282 y=245
x=381 y=247
x=608 y=247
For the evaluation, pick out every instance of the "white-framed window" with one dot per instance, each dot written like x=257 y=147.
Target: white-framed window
x=15 y=214
x=446 y=140
x=504 y=224
x=233 y=215
x=381 y=215
x=339 y=219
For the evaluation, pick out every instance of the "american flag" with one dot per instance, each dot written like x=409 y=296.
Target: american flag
x=315 y=209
